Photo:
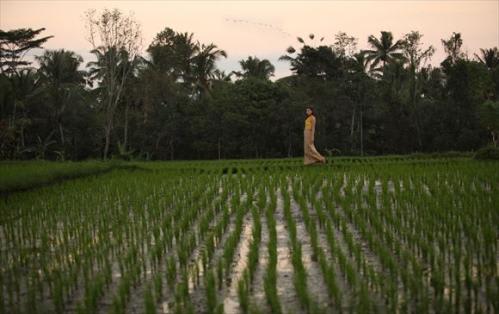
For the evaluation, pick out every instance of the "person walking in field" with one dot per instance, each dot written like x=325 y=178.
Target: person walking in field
x=312 y=156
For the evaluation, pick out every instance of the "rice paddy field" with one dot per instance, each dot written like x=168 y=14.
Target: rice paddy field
x=358 y=235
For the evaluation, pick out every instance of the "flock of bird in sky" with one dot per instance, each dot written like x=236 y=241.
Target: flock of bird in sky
x=268 y=27
x=258 y=24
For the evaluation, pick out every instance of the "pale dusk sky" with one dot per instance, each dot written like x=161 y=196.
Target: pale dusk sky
x=266 y=28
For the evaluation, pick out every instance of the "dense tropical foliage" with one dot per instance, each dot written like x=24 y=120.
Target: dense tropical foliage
x=174 y=103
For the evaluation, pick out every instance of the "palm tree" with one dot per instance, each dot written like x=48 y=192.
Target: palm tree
x=360 y=64
x=254 y=67
x=490 y=57
x=203 y=66
x=61 y=80
x=297 y=62
x=321 y=62
x=173 y=53
x=222 y=76
x=185 y=51
x=24 y=89
x=383 y=50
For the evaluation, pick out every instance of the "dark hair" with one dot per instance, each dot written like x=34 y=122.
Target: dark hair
x=311 y=108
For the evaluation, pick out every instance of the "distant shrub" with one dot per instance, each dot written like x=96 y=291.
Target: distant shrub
x=487 y=153
x=452 y=154
x=418 y=155
x=449 y=154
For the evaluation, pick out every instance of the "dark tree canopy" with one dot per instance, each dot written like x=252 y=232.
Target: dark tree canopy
x=15 y=44
x=175 y=103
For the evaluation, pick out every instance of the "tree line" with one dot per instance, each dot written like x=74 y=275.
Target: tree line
x=173 y=102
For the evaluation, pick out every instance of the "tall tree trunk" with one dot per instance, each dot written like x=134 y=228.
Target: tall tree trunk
x=13 y=121
x=351 y=129
x=414 y=110
x=114 y=90
x=22 y=136
x=361 y=134
x=108 y=140
x=125 y=132
x=61 y=134
x=171 y=149
x=219 y=148
x=158 y=139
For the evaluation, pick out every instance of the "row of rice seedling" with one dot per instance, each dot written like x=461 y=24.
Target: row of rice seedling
x=398 y=250
x=210 y=212
x=327 y=269
x=394 y=257
x=246 y=280
x=386 y=254
x=213 y=278
x=401 y=235
x=270 y=279
x=213 y=224
x=300 y=274
x=464 y=241
x=347 y=255
x=187 y=223
x=218 y=269
x=184 y=236
x=455 y=239
x=388 y=224
x=86 y=243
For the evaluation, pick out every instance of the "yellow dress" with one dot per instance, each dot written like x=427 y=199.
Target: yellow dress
x=311 y=155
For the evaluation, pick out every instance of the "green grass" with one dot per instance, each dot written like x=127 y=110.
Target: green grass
x=22 y=175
